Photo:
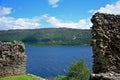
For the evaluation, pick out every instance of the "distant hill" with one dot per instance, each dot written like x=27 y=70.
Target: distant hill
x=48 y=36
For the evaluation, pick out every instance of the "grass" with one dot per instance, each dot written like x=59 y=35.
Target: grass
x=20 y=77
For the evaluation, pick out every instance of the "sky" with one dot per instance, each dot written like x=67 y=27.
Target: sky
x=32 y=14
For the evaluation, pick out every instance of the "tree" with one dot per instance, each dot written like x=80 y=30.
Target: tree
x=78 y=71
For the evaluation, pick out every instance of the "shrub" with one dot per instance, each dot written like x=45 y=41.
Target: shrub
x=60 y=78
x=78 y=71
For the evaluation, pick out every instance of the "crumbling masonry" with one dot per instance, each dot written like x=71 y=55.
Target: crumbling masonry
x=12 y=58
x=106 y=46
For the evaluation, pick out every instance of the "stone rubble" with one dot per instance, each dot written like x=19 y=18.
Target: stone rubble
x=12 y=58
x=106 y=46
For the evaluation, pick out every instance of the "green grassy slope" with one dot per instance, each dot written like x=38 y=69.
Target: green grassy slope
x=21 y=77
x=48 y=36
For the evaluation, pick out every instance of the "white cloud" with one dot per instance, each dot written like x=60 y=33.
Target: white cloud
x=53 y=3
x=7 y=22
x=13 y=23
x=109 y=8
x=81 y=24
x=20 y=23
x=5 y=11
x=41 y=21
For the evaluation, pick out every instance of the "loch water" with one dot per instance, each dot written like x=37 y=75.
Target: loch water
x=48 y=61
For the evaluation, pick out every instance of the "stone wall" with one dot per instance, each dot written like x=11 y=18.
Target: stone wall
x=12 y=58
x=106 y=46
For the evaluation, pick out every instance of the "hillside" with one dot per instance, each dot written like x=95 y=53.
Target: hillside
x=48 y=36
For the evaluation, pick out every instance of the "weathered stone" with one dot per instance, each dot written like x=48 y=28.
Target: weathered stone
x=12 y=58
x=105 y=76
x=106 y=46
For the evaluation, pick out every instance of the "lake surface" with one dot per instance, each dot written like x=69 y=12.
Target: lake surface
x=49 y=62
